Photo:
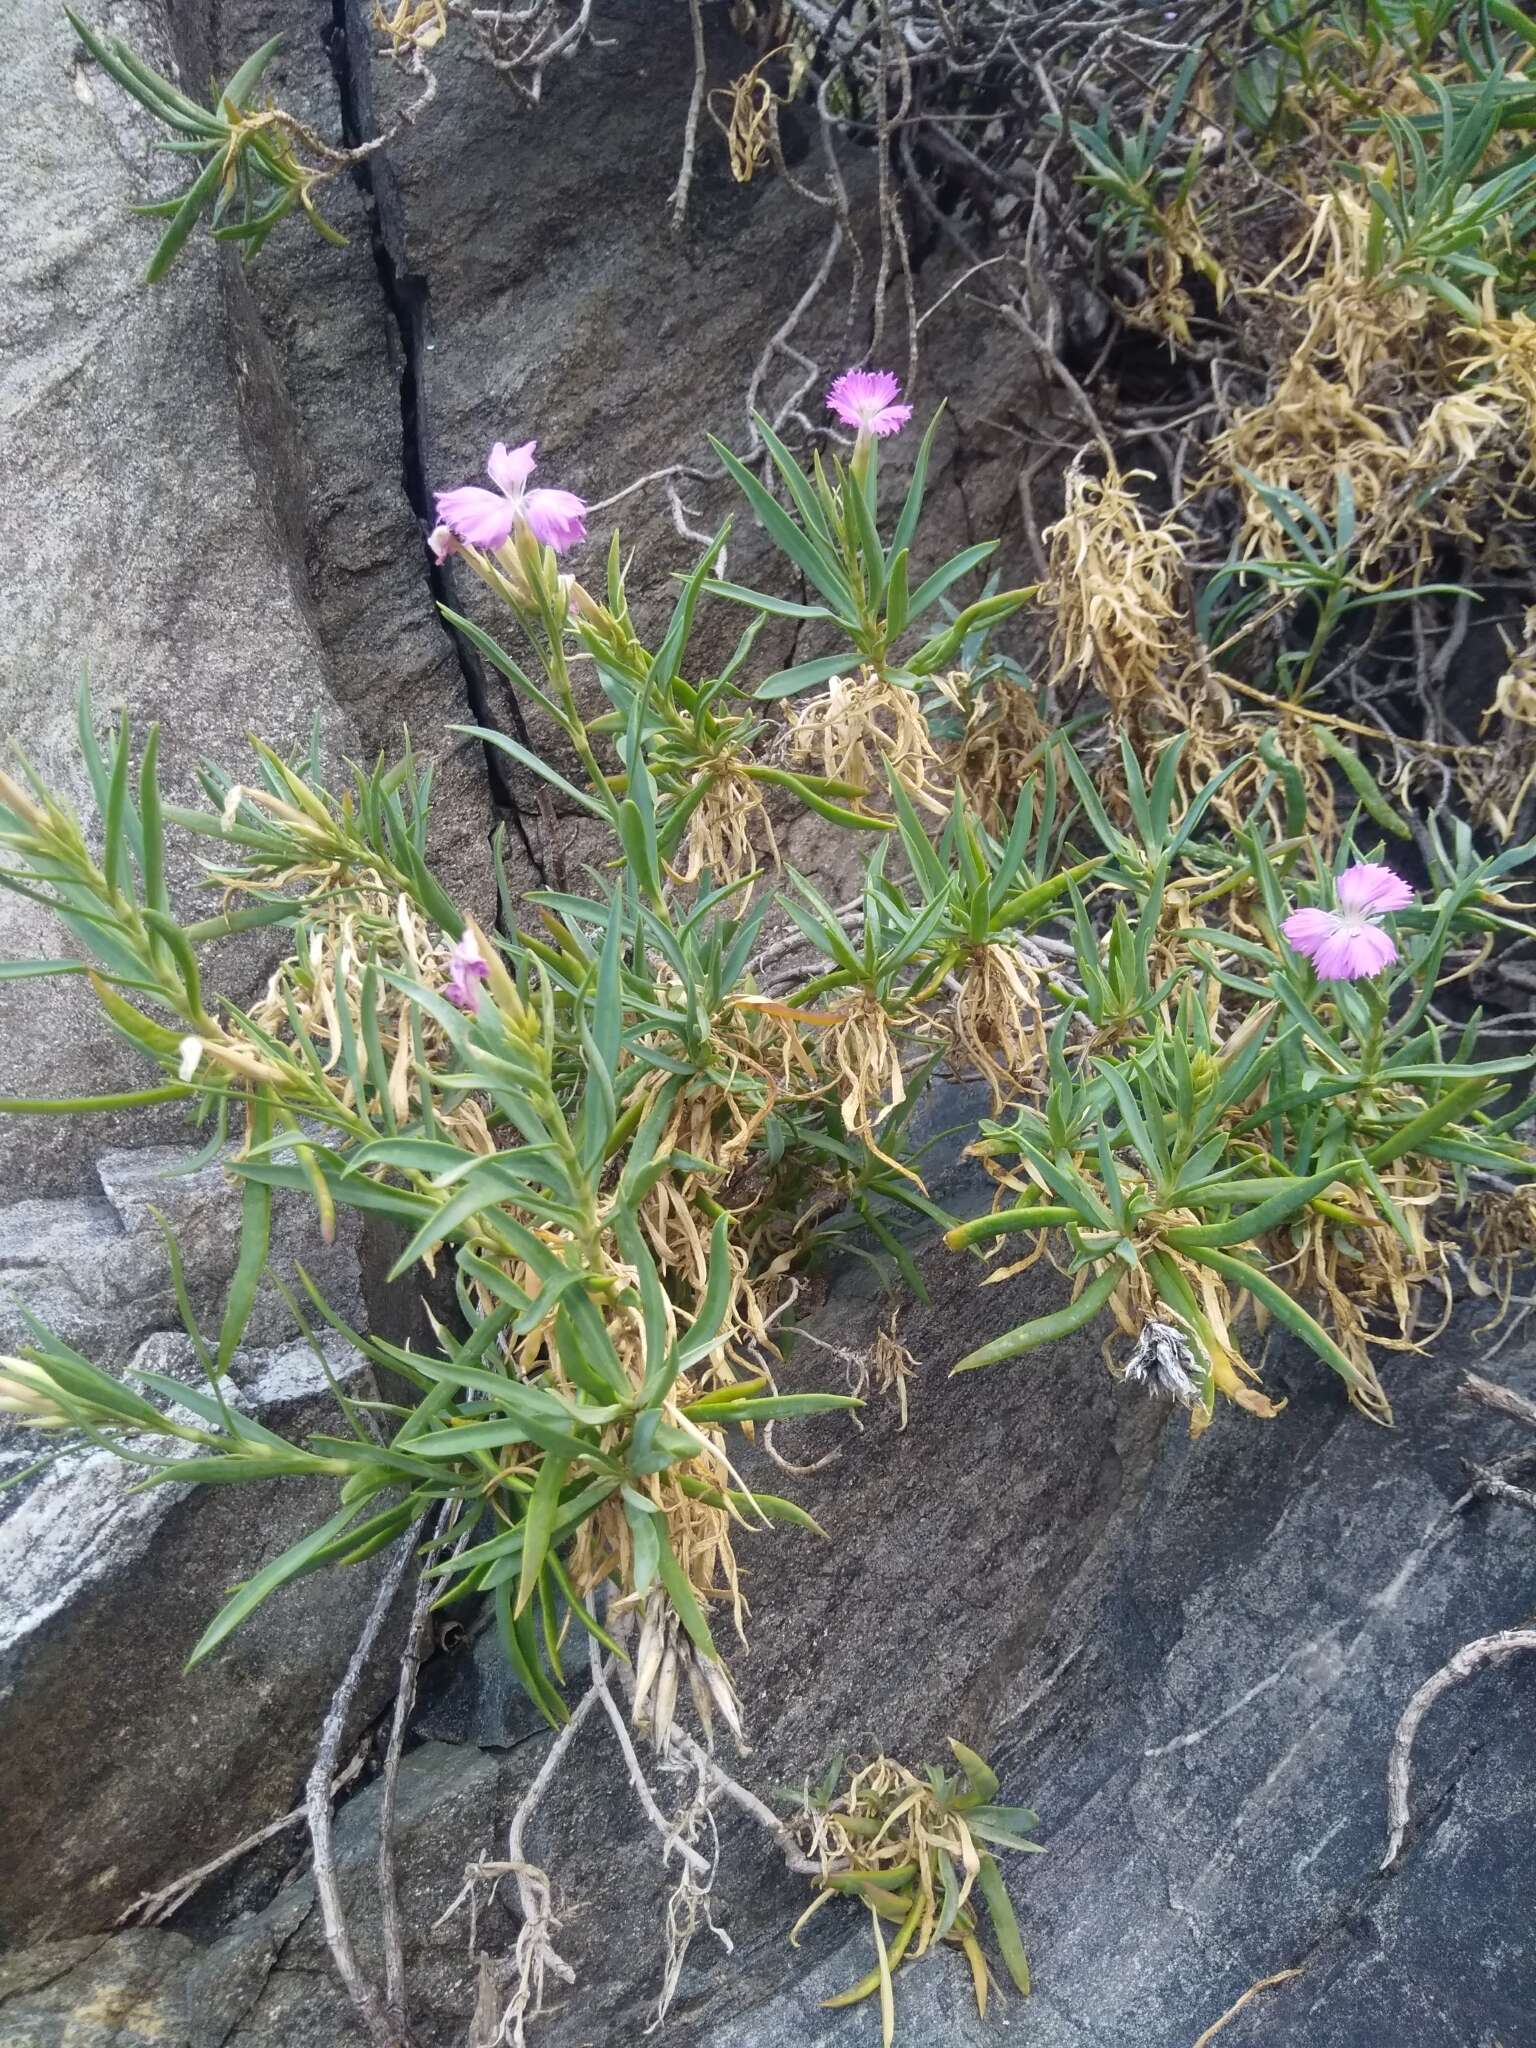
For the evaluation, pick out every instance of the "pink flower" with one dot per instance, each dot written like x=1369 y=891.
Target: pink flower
x=866 y=401
x=465 y=970
x=484 y=519
x=1348 y=944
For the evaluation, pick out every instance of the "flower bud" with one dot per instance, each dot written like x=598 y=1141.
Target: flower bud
x=28 y=1392
x=1204 y=1072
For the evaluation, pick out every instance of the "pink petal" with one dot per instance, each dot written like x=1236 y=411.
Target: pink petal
x=482 y=519
x=1307 y=930
x=1370 y=886
x=1354 y=952
x=465 y=970
x=510 y=468
x=890 y=420
x=557 y=518
x=443 y=542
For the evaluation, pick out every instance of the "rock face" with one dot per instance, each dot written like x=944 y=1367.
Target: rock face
x=104 y=1589
x=141 y=547
x=134 y=1769
x=95 y=1269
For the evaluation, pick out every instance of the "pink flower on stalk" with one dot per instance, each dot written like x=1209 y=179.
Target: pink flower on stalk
x=866 y=400
x=465 y=970
x=470 y=517
x=1349 y=944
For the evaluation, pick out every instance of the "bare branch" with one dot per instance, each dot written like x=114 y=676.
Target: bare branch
x=1471 y=1657
x=684 y=183
x=1490 y=1394
x=384 y=2029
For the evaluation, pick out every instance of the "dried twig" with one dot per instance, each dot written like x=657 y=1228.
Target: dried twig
x=688 y=1906
x=405 y=1697
x=535 y=1956
x=1489 y=1485
x=670 y=1838
x=385 y=2028
x=520 y=43
x=749 y=1804
x=1471 y=1657
x=155 y=1907
x=684 y=183
x=1232 y=2011
x=1490 y=1394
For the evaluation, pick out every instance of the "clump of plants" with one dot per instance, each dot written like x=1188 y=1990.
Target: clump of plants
x=1329 y=220
x=615 y=1128
x=916 y=1851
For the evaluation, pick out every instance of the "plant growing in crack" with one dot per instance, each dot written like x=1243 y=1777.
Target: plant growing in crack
x=256 y=164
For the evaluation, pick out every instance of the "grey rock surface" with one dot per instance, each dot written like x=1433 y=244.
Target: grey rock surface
x=94 y=1269
x=129 y=1769
x=470 y=1694
x=98 y=1991
x=620 y=343
x=327 y=393
x=1189 y=1657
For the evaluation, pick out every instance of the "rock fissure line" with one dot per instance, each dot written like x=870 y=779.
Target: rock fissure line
x=407 y=301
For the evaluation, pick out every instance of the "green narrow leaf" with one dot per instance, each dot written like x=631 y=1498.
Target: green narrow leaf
x=767 y=1407
x=646 y=1537
x=639 y=850
x=950 y=1885
x=538 y=1526
x=912 y=506
x=174 y=940
x=1412 y=1134
x=1046 y=1329
x=255 y=1242
x=802 y=548
x=979 y=1774
x=932 y=588
x=805 y=675
x=1364 y=785
x=1004 y=1926
x=898 y=609
x=607 y=1018
x=683 y=1598
x=114 y=831
x=1004 y=1826
x=531 y=761
x=83 y=1105
x=1282 y=1306
x=796 y=482
x=777 y=607
x=704 y=1334
x=198 y=195
x=1290 y=1195
x=153 y=825
x=373 y=1048
x=238 y=90
x=521 y=1648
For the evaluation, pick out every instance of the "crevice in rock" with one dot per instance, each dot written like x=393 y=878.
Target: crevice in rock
x=407 y=300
